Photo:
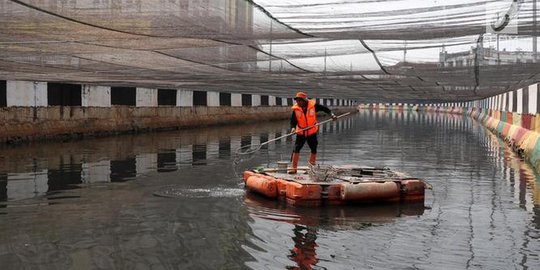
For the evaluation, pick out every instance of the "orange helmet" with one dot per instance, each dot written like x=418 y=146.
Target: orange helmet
x=301 y=95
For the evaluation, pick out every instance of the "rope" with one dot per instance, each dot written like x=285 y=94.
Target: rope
x=323 y=173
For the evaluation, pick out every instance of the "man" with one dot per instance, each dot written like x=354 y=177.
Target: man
x=305 y=115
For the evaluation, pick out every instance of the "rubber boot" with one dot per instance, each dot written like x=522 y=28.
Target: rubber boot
x=312 y=159
x=295 y=158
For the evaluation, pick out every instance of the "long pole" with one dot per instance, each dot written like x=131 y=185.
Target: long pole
x=304 y=129
x=498 y=53
x=250 y=151
x=325 y=61
x=270 y=55
x=535 y=32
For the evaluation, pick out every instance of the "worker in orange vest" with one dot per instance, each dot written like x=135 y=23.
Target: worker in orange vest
x=305 y=115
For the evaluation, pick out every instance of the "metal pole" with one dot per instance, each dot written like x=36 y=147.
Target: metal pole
x=325 y=61
x=498 y=54
x=535 y=33
x=270 y=55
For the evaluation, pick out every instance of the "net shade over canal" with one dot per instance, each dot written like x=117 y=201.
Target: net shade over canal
x=400 y=51
x=91 y=203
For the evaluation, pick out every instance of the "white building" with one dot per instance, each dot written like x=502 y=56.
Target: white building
x=486 y=56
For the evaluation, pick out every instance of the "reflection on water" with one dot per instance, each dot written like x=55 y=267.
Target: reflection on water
x=342 y=217
x=3 y=187
x=36 y=169
x=307 y=222
x=93 y=204
x=303 y=253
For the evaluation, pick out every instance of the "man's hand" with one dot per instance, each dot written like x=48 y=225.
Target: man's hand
x=293 y=130
x=334 y=117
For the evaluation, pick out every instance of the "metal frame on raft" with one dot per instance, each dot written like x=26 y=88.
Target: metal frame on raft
x=348 y=185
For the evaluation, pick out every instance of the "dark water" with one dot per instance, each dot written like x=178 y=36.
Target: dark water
x=91 y=204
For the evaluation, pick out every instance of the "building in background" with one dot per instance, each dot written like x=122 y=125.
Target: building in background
x=486 y=56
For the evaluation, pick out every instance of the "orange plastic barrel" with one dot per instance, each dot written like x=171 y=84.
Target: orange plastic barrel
x=372 y=191
x=333 y=194
x=413 y=190
x=281 y=187
x=247 y=174
x=299 y=194
x=262 y=185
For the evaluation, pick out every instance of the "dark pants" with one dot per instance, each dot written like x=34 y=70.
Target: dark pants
x=311 y=141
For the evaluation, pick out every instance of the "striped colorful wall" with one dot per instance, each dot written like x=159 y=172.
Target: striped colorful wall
x=394 y=107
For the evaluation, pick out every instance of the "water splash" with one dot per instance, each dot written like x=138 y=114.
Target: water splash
x=183 y=192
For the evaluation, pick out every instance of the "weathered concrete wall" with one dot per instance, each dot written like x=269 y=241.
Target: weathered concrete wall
x=255 y=100
x=25 y=113
x=212 y=99
x=271 y=100
x=31 y=123
x=147 y=97
x=26 y=93
x=96 y=96
x=533 y=95
x=236 y=100
x=184 y=98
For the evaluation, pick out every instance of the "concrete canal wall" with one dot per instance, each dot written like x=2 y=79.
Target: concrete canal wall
x=41 y=110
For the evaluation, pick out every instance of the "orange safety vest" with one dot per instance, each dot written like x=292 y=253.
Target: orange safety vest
x=305 y=120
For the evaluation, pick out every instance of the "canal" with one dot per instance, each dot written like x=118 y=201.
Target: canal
x=173 y=200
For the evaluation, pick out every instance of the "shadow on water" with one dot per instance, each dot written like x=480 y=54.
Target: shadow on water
x=91 y=203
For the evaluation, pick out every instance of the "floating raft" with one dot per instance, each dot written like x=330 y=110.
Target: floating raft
x=334 y=185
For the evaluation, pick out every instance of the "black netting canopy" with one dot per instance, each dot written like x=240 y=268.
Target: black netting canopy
x=369 y=50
